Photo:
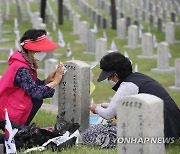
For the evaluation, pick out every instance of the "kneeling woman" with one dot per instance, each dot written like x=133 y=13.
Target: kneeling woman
x=21 y=92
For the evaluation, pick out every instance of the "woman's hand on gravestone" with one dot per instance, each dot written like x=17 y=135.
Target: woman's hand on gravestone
x=57 y=77
x=58 y=74
x=50 y=77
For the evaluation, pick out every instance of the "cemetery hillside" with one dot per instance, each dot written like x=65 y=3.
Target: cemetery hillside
x=145 y=31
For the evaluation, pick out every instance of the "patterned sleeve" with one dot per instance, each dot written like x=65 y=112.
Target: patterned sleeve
x=36 y=89
x=40 y=82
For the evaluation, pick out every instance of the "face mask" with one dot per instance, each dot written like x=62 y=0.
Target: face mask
x=111 y=82
x=39 y=56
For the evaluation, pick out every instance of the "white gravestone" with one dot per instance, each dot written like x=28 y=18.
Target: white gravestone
x=74 y=94
x=41 y=26
x=170 y=32
x=19 y=10
x=176 y=87
x=91 y=41
x=76 y=24
x=3 y=40
x=163 y=59
x=132 y=37
x=7 y=9
x=164 y=15
x=140 y=120
x=1 y=25
x=48 y=56
x=37 y=22
x=101 y=48
x=34 y=18
x=50 y=66
x=121 y=28
x=144 y=16
x=83 y=32
x=147 y=46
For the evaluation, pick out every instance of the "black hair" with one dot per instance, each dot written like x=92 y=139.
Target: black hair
x=116 y=61
x=32 y=34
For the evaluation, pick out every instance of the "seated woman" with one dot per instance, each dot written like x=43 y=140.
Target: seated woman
x=21 y=92
x=118 y=70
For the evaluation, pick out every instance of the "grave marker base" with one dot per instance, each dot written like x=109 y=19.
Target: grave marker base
x=5 y=40
x=144 y=57
x=87 y=52
x=41 y=71
x=4 y=49
x=121 y=38
x=7 y=32
x=78 y=42
x=3 y=61
x=58 y=55
x=163 y=71
x=131 y=47
x=174 y=88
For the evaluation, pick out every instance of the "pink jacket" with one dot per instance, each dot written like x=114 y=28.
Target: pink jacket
x=15 y=99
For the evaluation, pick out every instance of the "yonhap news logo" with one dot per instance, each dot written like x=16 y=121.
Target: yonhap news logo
x=141 y=140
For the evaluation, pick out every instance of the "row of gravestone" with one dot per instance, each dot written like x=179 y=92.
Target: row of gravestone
x=37 y=23
x=4 y=40
x=133 y=33
x=93 y=13
x=88 y=36
x=21 y=15
x=152 y=7
x=170 y=29
x=159 y=15
x=103 y=5
x=91 y=46
x=146 y=14
x=133 y=37
x=152 y=20
x=147 y=42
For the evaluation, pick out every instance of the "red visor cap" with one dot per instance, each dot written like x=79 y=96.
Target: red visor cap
x=43 y=45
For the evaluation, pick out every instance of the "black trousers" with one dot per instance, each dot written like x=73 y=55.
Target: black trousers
x=36 y=106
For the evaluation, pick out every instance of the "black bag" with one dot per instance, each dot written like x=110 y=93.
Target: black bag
x=62 y=126
x=31 y=136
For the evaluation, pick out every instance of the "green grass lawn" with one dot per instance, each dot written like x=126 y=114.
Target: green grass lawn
x=103 y=91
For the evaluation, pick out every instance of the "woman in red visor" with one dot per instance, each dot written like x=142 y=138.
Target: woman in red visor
x=21 y=92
